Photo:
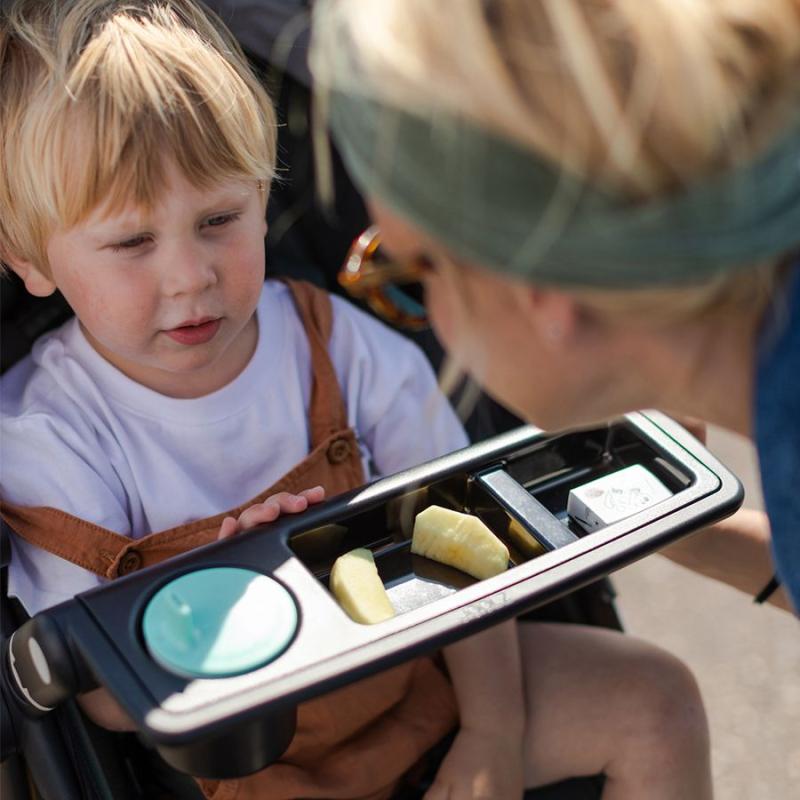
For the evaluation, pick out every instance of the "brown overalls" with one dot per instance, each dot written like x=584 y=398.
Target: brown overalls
x=353 y=743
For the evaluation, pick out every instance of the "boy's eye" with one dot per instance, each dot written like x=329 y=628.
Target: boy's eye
x=129 y=244
x=219 y=220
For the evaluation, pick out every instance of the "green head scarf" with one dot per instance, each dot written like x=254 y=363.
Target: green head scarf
x=494 y=203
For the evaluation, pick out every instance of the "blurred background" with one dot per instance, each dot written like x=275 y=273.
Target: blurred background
x=746 y=657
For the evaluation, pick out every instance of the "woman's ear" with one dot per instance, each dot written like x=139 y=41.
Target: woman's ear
x=554 y=315
x=36 y=282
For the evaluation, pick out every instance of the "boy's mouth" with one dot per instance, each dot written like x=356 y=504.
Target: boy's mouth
x=195 y=332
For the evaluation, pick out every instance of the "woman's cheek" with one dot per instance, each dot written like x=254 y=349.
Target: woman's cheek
x=462 y=348
x=439 y=305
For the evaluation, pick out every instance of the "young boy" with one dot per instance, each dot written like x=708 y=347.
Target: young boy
x=188 y=400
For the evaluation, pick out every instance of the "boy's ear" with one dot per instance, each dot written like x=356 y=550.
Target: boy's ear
x=36 y=282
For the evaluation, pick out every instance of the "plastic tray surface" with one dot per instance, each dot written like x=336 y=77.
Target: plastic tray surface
x=517 y=483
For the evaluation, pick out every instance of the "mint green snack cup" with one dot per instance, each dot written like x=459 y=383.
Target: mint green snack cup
x=218 y=622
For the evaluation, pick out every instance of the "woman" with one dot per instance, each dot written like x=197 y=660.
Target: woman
x=603 y=200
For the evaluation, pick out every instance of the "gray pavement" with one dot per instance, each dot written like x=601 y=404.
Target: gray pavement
x=746 y=658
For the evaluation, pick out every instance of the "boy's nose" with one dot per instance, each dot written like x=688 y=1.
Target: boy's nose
x=188 y=270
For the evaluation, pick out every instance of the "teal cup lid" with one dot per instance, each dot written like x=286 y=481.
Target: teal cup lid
x=220 y=621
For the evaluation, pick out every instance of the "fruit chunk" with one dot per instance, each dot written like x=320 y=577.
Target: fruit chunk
x=357 y=586
x=459 y=540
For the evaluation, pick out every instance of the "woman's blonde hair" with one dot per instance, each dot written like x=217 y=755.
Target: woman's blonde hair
x=639 y=96
x=95 y=96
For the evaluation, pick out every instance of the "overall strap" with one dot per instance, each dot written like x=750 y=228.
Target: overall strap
x=85 y=544
x=327 y=412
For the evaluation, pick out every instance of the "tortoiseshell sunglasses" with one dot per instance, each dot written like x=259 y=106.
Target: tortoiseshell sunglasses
x=369 y=275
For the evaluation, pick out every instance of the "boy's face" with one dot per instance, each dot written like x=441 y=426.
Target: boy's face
x=169 y=296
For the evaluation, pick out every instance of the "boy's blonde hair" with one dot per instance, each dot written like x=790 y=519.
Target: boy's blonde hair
x=95 y=96
x=639 y=96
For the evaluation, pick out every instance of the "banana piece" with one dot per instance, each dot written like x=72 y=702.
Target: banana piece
x=459 y=540
x=359 y=589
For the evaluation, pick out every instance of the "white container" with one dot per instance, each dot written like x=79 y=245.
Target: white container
x=614 y=497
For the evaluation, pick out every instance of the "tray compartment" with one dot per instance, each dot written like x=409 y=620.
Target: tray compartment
x=521 y=498
x=532 y=528
x=385 y=529
x=550 y=470
x=410 y=580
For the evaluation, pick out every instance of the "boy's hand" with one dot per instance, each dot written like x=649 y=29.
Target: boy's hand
x=270 y=510
x=481 y=765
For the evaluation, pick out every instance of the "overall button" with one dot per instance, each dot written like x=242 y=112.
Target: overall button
x=338 y=451
x=130 y=562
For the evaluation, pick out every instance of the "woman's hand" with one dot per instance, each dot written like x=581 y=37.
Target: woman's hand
x=481 y=765
x=270 y=510
x=696 y=426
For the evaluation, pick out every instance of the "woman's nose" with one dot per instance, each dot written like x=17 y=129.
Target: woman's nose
x=188 y=269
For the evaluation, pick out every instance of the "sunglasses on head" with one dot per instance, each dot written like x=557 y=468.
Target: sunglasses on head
x=391 y=288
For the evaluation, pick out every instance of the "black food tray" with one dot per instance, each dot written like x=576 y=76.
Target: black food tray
x=518 y=483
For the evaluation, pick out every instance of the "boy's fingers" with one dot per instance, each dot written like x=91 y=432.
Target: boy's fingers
x=316 y=494
x=277 y=504
x=228 y=528
x=290 y=503
x=268 y=511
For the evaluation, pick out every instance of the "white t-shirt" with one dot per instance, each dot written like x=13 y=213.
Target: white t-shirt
x=80 y=436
